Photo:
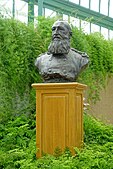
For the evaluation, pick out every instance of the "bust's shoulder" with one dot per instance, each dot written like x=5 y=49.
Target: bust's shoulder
x=79 y=53
x=43 y=57
x=44 y=54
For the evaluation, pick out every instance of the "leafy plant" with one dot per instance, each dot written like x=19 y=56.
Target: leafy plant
x=18 y=147
x=19 y=46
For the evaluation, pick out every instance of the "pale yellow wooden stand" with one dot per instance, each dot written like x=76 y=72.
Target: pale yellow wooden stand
x=59 y=116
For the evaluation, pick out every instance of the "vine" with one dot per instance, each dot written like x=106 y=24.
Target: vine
x=21 y=44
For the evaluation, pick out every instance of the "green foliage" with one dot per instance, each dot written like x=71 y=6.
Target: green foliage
x=18 y=147
x=96 y=132
x=44 y=31
x=100 y=52
x=19 y=46
x=18 y=50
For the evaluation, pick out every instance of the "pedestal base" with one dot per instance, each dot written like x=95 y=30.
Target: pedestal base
x=59 y=116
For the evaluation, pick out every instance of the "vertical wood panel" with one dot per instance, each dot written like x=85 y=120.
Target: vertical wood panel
x=54 y=112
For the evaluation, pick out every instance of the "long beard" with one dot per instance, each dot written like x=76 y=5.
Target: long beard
x=59 y=47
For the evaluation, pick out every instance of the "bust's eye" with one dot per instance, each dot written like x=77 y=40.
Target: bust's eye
x=61 y=28
x=53 y=28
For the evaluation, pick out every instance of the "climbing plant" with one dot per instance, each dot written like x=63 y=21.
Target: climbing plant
x=20 y=44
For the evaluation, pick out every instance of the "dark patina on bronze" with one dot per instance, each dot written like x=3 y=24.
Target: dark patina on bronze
x=61 y=63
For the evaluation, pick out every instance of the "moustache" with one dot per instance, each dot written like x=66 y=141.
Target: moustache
x=57 y=36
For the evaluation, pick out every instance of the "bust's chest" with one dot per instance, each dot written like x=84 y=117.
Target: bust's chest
x=59 y=64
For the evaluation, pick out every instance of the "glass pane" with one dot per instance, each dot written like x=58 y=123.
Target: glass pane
x=72 y=21
x=74 y=1
x=6 y=7
x=75 y=22
x=35 y=10
x=111 y=9
x=49 y=13
x=85 y=26
x=104 y=7
x=21 y=10
x=95 y=5
x=6 y=4
x=65 y=17
x=85 y=3
x=95 y=28
x=104 y=32
x=111 y=34
x=35 y=15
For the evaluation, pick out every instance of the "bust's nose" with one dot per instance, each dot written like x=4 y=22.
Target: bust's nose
x=56 y=31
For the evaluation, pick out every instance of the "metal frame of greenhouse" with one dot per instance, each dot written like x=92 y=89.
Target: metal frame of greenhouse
x=71 y=9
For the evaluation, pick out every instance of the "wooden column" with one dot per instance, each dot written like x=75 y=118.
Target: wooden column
x=59 y=116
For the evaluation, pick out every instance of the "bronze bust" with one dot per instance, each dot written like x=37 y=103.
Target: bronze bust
x=61 y=63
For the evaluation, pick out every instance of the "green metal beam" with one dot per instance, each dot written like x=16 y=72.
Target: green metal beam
x=40 y=7
x=77 y=11
x=13 y=9
x=31 y=11
x=108 y=7
x=99 y=5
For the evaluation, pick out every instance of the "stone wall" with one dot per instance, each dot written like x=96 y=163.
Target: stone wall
x=103 y=109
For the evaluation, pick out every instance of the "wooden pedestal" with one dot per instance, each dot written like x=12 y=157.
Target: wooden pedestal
x=59 y=116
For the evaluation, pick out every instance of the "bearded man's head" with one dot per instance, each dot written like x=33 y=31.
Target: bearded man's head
x=61 y=34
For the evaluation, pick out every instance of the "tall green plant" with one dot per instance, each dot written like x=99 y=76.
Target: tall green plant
x=21 y=44
x=18 y=50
